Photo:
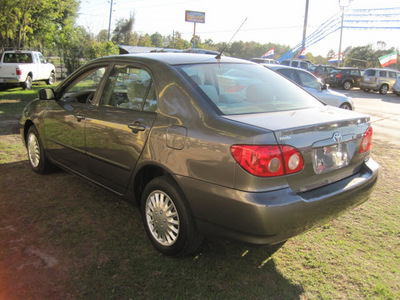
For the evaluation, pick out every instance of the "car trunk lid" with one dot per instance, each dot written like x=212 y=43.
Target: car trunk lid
x=328 y=138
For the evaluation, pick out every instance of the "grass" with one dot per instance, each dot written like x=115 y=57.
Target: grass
x=64 y=238
x=13 y=100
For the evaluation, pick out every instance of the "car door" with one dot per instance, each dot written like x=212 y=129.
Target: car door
x=117 y=129
x=64 y=122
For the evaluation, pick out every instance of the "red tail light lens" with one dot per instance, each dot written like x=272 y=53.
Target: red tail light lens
x=18 y=71
x=316 y=73
x=366 y=142
x=339 y=75
x=268 y=160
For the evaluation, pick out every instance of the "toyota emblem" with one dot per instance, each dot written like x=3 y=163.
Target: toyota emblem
x=337 y=137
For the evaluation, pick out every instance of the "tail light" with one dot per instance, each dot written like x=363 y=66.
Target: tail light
x=366 y=142
x=339 y=75
x=316 y=73
x=18 y=71
x=268 y=160
x=376 y=79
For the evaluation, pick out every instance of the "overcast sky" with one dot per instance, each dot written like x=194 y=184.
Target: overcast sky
x=278 y=21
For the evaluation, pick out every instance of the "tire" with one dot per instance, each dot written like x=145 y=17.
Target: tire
x=36 y=156
x=163 y=203
x=27 y=85
x=347 y=85
x=346 y=106
x=52 y=79
x=383 y=89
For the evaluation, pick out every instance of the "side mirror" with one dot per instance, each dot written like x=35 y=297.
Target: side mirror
x=46 y=94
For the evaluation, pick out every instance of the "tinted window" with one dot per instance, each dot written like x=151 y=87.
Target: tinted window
x=295 y=64
x=382 y=73
x=129 y=87
x=288 y=73
x=83 y=89
x=285 y=62
x=309 y=81
x=244 y=88
x=369 y=72
x=392 y=74
x=20 y=58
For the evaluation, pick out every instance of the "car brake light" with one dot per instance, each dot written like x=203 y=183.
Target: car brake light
x=339 y=75
x=366 y=142
x=18 y=71
x=316 y=73
x=376 y=79
x=268 y=160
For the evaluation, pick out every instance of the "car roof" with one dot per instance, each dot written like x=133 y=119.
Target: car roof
x=174 y=58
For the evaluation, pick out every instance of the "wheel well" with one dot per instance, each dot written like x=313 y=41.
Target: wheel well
x=143 y=177
x=27 y=125
x=30 y=74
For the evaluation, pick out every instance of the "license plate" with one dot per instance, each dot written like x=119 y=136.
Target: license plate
x=330 y=158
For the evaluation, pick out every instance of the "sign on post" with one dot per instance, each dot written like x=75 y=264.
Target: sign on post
x=195 y=17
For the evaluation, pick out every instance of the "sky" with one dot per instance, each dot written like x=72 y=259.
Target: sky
x=278 y=21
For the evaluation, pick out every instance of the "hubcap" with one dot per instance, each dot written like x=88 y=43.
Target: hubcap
x=33 y=150
x=162 y=218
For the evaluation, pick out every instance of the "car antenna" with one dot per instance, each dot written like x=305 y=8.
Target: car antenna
x=223 y=49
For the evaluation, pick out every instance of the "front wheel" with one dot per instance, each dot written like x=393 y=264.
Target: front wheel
x=36 y=156
x=383 y=89
x=167 y=218
x=346 y=106
x=52 y=79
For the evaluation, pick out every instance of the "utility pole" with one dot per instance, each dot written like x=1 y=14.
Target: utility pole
x=109 y=23
x=305 y=27
x=343 y=4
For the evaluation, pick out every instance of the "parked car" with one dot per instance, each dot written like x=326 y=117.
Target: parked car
x=297 y=63
x=23 y=67
x=396 y=87
x=261 y=60
x=346 y=78
x=320 y=71
x=202 y=159
x=313 y=85
x=381 y=80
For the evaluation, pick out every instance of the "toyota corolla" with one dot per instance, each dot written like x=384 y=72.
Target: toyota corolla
x=207 y=146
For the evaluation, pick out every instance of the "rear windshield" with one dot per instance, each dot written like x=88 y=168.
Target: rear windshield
x=20 y=58
x=246 y=89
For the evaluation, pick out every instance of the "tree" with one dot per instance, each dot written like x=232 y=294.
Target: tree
x=123 y=30
x=157 y=40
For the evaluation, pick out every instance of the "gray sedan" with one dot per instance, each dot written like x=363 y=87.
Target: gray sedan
x=313 y=85
x=206 y=146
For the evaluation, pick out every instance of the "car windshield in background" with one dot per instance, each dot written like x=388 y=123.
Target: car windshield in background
x=246 y=89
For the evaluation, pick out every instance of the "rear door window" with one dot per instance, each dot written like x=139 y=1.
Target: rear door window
x=369 y=73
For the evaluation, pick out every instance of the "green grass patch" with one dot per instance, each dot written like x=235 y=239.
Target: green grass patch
x=13 y=100
x=64 y=238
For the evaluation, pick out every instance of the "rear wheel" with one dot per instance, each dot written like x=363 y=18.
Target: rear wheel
x=167 y=218
x=383 y=89
x=347 y=85
x=27 y=83
x=36 y=156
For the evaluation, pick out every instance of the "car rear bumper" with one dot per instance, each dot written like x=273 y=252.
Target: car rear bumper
x=9 y=80
x=272 y=217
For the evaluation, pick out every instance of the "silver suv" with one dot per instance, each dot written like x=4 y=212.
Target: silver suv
x=381 y=80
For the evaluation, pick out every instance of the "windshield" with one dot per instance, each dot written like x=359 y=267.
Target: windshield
x=247 y=88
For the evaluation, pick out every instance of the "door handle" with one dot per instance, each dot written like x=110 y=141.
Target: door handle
x=136 y=127
x=80 y=117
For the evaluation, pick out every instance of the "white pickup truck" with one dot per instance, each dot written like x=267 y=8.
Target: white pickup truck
x=24 y=67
